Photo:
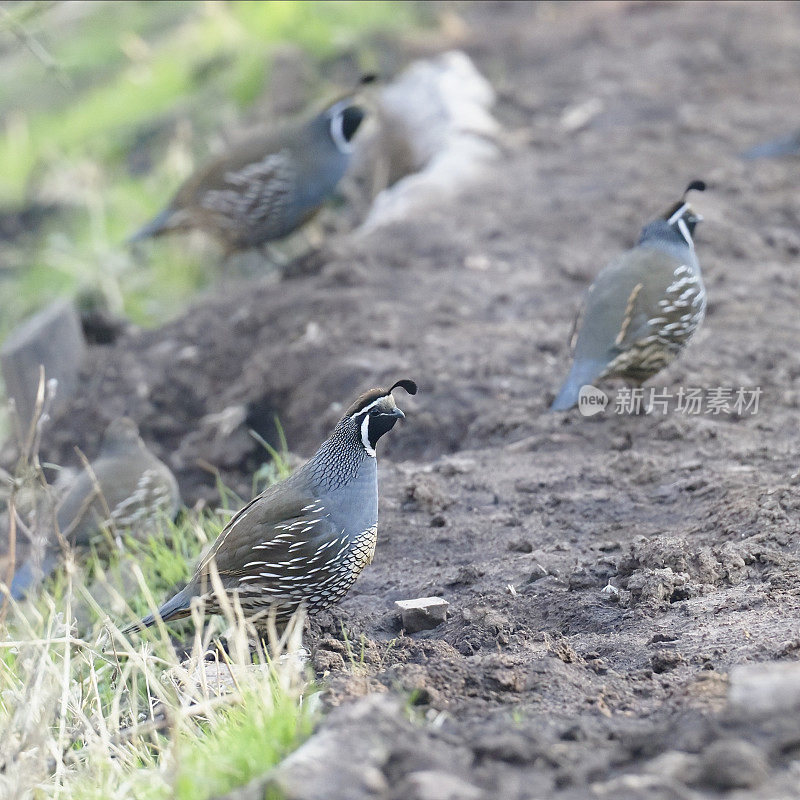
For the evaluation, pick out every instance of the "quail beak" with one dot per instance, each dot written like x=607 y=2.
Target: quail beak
x=396 y=412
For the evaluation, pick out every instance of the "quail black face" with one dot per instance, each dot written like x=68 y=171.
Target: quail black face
x=344 y=123
x=375 y=413
x=682 y=216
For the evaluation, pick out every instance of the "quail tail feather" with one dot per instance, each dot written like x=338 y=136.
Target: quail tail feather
x=783 y=146
x=175 y=608
x=158 y=225
x=584 y=370
x=31 y=573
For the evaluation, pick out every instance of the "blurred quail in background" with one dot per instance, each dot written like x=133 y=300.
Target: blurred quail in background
x=128 y=487
x=303 y=541
x=642 y=308
x=788 y=145
x=266 y=186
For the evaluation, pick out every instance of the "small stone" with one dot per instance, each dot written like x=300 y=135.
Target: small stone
x=466 y=576
x=432 y=784
x=675 y=765
x=520 y=546
x=581 y=578
x=423 y=613
x=427 y=495
x=509 y=746
x=537 y=573
x=665 y=660
x=733 y=764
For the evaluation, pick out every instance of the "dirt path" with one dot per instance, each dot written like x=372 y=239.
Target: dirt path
x=519 y=518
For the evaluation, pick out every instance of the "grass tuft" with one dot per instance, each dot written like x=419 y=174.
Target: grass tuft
x=87 y=713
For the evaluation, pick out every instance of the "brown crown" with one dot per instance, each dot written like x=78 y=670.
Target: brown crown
x=374 y=394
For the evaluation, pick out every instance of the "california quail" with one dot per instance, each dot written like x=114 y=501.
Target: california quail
x=642 y=308
x=303 y=541
x=268 y=185
x=136 y=490
x=786 y=145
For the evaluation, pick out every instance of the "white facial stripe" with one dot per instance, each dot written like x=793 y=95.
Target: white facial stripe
x=684 y=229
x=371 y=405
x=365 y=436
x=678 y=214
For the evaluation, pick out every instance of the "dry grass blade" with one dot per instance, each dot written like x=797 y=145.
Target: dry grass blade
x=99 y=715
x=12 y=557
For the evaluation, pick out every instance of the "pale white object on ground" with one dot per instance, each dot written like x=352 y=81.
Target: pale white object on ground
x=422 y=613
x=763 y=689
x=440 y=109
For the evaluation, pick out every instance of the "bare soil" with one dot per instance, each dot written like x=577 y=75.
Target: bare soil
x=547 y=686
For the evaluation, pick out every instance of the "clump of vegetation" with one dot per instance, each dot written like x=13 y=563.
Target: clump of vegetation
x=92 y=714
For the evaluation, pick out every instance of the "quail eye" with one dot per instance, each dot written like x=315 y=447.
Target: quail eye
x=374 y=412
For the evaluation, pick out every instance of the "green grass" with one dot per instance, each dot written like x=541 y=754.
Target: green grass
x=235 y=749
x=135 y=72
x=80 y=706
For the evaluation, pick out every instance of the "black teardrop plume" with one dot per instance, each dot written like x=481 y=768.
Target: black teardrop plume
x=405 y=383
x=695 y=186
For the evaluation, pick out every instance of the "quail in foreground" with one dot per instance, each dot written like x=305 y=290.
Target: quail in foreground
x=127 y=487
x=304 y=541
x=642 y=308
x=266 y=186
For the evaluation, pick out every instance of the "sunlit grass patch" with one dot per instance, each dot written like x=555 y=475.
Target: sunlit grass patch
x=86 y=712
x=136 y=61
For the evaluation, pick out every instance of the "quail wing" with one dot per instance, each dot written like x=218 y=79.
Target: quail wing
x=281 y=547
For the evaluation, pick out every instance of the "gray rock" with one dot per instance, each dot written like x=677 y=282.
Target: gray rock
x=674 y=765
x=433 y=784
x=53 y=339
x=422 y=613
x=665 y=660
x=762 y=689
x=733 y=764
x=436 y=134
